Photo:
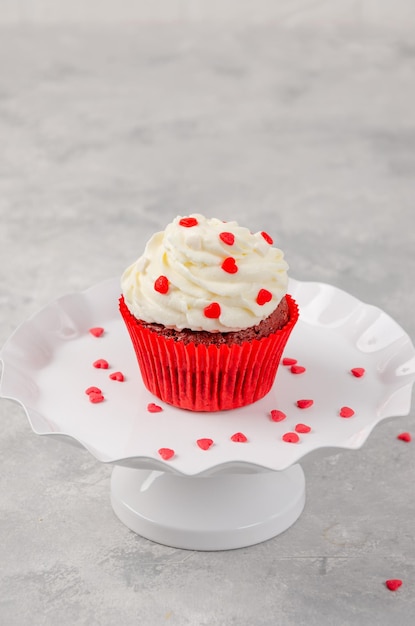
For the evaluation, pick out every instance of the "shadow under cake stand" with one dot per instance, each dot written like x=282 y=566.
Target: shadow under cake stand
x=233 y=493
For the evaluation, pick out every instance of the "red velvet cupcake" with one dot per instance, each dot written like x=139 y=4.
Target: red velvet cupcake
x=208 y=313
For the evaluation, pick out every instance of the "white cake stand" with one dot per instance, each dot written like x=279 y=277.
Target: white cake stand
x=234 y=493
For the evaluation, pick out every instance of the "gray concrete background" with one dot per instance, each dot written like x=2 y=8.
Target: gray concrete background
x=106 y=133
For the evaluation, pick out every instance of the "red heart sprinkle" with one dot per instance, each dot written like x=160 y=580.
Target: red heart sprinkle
x=393 y=584
x=358 y=372
x=101 y=364
x=153 y=408
x=346 y=411
x=166 y=453
x=287 y=361
x=304 y=404
x=302 y=428
x=291 y=438
x=212 y=311
x=161 y=284
x=239 y=438
x=96 y=331
x=297 y=369
x=263 y=297
x=277 y=416
x=92 y=390
x=229 y=265
x=188 y=222
x=228 y=238
x=95 y=397
x=267 y=238
x=405 y=437
x=204 y=443
x=117 y=376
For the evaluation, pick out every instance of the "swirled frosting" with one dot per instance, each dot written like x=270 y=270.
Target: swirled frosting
x=205 y=274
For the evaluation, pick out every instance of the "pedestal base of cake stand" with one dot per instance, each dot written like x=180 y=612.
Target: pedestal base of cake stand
x=219 y=512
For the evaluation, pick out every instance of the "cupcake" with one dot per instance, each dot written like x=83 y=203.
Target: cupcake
x=208 y=313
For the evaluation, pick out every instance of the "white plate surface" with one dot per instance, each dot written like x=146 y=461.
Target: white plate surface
x=47 y=366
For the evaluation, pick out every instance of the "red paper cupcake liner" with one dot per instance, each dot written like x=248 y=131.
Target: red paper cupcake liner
x=207 y=377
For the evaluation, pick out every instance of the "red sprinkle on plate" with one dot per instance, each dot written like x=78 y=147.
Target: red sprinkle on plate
x=287 y=361
x=277 y=416
x=346 y=411
x=304 y=404
x=302 y=428
x=97 y=331
x=153 y=408
x=358 y=372
x=117 y=376
x=291 y=438
x=393 y=584
x=166 y=453
x=92 y=390
x=101 y=364
x=297 y=369
x=95 y=398
x=404 y=437
x=239 y=438
x=204 y=443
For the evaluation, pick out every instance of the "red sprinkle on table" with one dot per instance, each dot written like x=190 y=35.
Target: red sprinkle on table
x=95 y=397
x=346 y=411
x=263 y=297
x=358 y=372
x=229 y=265
x=97 y=331
x=393 y=584
x=302 y=428
x=204 y=443
x=291 y=438
x=188 y=222
x=239 y=438
x=92 y=390
x=287 y=361
x=267 y=238
x=153 y=408
x=101 y=364
x=297 y=369
x=228 y=238
x=404 y=437
x=161 y=284
x=304 y=404
x=277 y=415
x=166 y=453
x=212 y=311
x=119 y=376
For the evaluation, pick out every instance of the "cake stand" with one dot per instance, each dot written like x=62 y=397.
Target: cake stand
x=205 y=481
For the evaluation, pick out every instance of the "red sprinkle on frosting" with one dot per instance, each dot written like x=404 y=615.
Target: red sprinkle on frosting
x=229 y=265
x=119 y=376
x=101 y=364
x=277 y=416
x=228 y=238
x=404 y=437
x=358 y=372
x=267 y=238
x=166 y=453
x=304 y=404
x=287 y=361
x=161 y=284
x=212 y=311
x=97 y=331
x=393 y=584
x=153 y=408
x=239 y=438
x=92 y=390
x=346 y=411
x=188 y=222
x=95 y=397
x=291 y=438
x=302 y=428
x=263 y=297
x=204 y=443
x=297 y=369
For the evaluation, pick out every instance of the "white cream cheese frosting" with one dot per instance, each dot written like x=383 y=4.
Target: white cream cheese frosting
x=205 y=274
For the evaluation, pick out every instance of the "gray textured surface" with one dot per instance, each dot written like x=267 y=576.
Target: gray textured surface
x=107 y=133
